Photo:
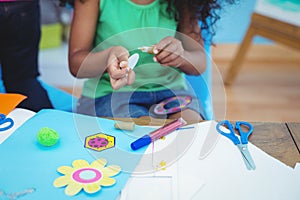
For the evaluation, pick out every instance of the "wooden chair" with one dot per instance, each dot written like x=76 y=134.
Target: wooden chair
x=266 y=21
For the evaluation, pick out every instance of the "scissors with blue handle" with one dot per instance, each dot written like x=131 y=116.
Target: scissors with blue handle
x=241 y=144
x=5 y=122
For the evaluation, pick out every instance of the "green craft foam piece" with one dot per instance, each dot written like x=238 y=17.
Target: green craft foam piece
x=47 y=137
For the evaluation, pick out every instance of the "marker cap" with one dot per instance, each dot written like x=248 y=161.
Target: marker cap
x=141 y=142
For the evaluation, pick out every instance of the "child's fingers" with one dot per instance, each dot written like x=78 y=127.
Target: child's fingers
x=162 y=45
x=118 y=54
x=168 y=56
x=177 y=62
x=118 y=83
x=123 y=64
x=130 y=77
x=114 y=69
x=162 y=56
x=123 y=56
x=116 y=72
x=172 y=49
x=172 y=58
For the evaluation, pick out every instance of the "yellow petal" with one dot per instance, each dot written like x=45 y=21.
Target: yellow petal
x=111 y=170
x=91 y=188
x=73 y=188
x=106 y=181
x=80 y=164
x=100 y=163
x=65 y=169
x=61 y=181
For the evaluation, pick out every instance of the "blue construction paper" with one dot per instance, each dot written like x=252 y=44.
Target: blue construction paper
x=26 y=164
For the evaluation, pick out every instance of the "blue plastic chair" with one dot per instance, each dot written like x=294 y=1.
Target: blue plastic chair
x=2 y=89
x=202 y=87
x=60 y=99
x=202 y=84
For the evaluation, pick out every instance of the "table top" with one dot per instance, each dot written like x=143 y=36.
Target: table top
x=280 y=140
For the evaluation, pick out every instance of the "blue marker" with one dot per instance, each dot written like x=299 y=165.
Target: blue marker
x=154 y=135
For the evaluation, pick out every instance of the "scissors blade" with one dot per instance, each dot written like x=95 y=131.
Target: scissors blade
x=247 y=157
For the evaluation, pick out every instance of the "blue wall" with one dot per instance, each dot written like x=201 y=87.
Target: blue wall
x=234 y=22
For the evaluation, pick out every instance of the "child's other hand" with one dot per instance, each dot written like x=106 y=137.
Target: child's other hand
x=169 y=52
x=119 y=76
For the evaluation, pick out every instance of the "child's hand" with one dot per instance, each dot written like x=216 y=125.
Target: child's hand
x=119 y=76
x=169 y=52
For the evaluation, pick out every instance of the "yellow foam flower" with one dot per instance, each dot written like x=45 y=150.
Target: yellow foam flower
x=89 y=177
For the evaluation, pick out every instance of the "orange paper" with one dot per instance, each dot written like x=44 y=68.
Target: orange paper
x=9 y=101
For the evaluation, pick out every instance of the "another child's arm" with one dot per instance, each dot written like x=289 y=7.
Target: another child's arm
x=85 y=64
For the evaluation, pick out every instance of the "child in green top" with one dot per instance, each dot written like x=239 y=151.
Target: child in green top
x=105 y=33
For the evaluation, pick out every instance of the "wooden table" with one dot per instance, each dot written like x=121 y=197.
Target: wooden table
x=280 y=140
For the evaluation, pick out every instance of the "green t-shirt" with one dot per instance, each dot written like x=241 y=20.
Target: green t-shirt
x=124 y=23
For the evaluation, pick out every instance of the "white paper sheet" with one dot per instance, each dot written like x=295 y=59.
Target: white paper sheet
x=221 y=175
x=19 y=116
x=226 y=175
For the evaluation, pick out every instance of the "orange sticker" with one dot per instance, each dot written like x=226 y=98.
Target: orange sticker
x=9 y=101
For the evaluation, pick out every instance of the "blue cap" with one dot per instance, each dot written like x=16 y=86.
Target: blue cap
x=141 y=142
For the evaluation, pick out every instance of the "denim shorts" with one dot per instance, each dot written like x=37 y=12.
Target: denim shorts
x=131 y=104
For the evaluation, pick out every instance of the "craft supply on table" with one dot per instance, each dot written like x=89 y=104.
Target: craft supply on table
x=9 y=101
x=89 y=177
x=15 y=195
x=172 y=105
x=240 y=143
x=5 y=122
x=47 y=136
x=99 y=142
x=156 y=134
x=129 y=126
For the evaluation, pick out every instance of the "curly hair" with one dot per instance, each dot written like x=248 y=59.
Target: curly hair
x=205 y=11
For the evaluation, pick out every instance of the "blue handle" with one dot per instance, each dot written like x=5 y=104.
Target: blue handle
x=244 y=135
x=229 y=135
x=4 y=120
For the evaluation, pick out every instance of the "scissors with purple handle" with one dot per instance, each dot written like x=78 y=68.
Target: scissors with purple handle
x=5 y=122
x=240 y=143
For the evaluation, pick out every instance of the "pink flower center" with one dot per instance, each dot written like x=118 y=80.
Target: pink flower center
x=87 y=175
